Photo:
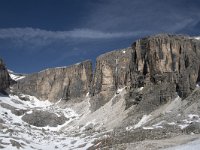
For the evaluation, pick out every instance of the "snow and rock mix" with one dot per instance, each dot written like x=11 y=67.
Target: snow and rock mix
x=16 y=133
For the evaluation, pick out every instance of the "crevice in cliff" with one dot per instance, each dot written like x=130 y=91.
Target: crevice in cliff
x=198 y=78
x=66 y=91
x=187 y=62
x=178 y=90
x=145 y=69
x=134 y=64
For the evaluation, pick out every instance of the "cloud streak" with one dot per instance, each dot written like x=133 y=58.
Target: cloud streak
x=31 y=33
x=152 y=15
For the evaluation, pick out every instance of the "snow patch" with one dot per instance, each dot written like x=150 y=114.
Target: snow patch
x=148 y=128
x=171 y=123
x=158 y=125
x=120 y=90
x=144 y=120
x=140 y=89
x=16 y=77
x=193 y=116
x=197 y=38
x=183 y=126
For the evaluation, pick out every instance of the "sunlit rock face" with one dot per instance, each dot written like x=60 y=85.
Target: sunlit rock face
x=109 y=75
x=53 y=84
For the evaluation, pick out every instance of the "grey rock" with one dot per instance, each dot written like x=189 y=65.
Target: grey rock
x=165 y=65
x=16 y=144
x=194 y=127
x=16 y=111
x=41 y=118
x=1 y=121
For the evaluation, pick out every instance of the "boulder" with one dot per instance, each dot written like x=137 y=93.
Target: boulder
x=41 y=118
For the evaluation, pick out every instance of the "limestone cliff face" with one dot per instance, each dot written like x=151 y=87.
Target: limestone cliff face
x=5 y=80
x=109 y=75
x=66 y=83
x=165 y=63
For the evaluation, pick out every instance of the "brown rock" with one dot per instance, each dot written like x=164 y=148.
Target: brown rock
x=58 y=83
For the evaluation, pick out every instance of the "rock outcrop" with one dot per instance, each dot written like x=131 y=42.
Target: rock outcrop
x=5 y=80
x=109 y=75
x=53 y=84
x=41 y=118
x=164 y=65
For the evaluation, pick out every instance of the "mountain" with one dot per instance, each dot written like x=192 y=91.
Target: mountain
x=141 y=97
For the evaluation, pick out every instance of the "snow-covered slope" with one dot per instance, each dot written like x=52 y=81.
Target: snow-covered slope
x=16 y=76
x=16 y=133
x=198 y=38
x=84 y=129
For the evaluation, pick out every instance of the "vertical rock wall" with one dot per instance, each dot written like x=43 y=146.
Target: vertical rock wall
x=109 y=75
x=164 y=65
x=53 y=84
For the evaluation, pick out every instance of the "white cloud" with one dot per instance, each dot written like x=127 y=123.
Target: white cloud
x=31 y=33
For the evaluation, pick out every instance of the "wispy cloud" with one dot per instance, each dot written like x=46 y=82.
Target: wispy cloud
x=136 y=15
x=31 y=33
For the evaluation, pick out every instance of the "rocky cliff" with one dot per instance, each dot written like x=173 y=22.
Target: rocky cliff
x=164 y=65
x=65 y=83
x=5 y=80
x=109 y=75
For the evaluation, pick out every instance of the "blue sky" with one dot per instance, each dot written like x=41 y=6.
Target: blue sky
x=37 y=34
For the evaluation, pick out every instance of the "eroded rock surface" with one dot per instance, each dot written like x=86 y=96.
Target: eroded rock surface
x=164 y=65
x=66 y=83
x=110 y=75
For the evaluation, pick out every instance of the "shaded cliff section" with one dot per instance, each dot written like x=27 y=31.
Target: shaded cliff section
x=53 y=84
x=165 y=66
x=5 y=79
